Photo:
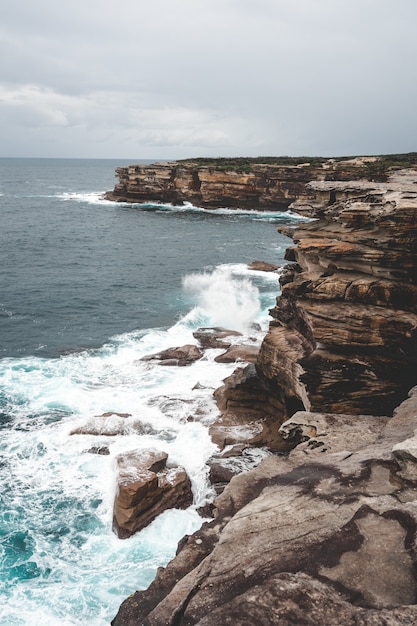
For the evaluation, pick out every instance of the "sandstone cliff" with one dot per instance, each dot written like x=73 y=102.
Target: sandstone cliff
x=326 y=535
x=261 y=183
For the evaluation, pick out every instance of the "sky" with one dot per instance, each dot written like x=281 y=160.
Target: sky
x=168 y=79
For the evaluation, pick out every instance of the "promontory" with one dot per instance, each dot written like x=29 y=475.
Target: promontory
x=324 y=529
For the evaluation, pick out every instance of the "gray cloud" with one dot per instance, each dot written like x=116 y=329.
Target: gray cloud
x=177 y=78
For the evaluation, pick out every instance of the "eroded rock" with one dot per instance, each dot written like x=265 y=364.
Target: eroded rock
x=184 y=355
x=247 y=354
x=145 y=488
x=215 y=337
x=328 y=538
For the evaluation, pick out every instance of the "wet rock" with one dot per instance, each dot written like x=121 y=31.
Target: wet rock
x=238 y=353
x=109 y=425
x=214 y=337
x=145 y=488
x=262 y=266
x=327 y=534
x=103 y=450
x=181 y=356
x=328 y=538
x=249 y=413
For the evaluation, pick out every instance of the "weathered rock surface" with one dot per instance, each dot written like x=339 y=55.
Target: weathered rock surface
x=249 y=413
x=261 y=183
x=344 y=335
x=145 y=488
x=262 y=266
x=325 y=537
x=184 y=355
x=214 y=337
x=239 y=353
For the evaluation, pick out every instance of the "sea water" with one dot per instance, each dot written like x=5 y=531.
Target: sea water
x=87 y=288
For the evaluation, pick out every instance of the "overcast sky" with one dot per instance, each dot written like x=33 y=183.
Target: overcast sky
x=165 y=79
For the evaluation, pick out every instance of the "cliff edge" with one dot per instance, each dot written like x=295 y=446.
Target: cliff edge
x=264 y=183
x=327 y=533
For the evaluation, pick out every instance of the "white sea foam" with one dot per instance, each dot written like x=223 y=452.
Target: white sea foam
x=223 y=300
x=63 y=564
x=96 y=197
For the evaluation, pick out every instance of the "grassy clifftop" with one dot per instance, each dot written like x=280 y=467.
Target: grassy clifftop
x=368 y=165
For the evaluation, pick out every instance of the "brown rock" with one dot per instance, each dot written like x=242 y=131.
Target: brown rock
x=326 y=535
x=328 y=538
x=146 y=488
x=214 y=337
x=184 y=355
x=249 y=413
x=262 y=266
x=238 y=353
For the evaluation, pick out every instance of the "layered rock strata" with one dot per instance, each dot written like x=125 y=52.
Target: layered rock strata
x=262 y=184
x=145 y=488
x=344 y=331
x=328 y=534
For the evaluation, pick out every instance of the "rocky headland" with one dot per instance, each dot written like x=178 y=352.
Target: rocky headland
x=323 y=530
x=264 y=183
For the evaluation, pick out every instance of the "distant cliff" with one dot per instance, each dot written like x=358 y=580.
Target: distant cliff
x=261 y=184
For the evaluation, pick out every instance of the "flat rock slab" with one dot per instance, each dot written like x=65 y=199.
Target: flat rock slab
x=316 y=433
x=262 y=266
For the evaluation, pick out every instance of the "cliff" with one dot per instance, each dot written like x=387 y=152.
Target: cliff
x=327 y=533
x=262 y=183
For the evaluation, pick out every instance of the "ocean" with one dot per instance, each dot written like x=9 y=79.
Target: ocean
x=88 y=287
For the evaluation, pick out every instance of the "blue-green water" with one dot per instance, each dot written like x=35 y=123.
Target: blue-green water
x=87 y=287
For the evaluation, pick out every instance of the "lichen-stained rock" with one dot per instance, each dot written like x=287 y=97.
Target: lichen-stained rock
x=146 y=488
x=324 y=537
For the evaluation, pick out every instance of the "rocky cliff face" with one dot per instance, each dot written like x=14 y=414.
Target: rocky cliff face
x=344 y=335
x=240 y=183
x=326 y=535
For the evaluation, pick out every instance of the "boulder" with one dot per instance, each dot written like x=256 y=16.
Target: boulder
x=249 y=413
x=145 y=488
x=184 y=355
x=107 y=424
x=262 y=266
x=238 y=353
x=214 y=337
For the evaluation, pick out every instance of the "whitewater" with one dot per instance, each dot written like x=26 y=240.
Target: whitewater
x=88 y=288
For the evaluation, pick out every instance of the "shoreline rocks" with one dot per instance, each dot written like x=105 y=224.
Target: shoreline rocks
x=328 y=521
x=329 y=537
